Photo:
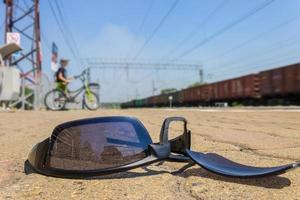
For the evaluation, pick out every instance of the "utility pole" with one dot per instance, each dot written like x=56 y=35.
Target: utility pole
x=136 y=93
x=153 y=88
x=23 y=17
x=201 y=76
x=8 y=23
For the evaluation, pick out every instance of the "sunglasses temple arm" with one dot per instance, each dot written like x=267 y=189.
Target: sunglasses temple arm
x=164 y=132
x=163 y=149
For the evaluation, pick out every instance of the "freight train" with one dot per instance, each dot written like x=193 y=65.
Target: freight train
x=279 y=86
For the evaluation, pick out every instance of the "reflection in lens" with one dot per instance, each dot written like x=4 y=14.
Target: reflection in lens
x=97 y=146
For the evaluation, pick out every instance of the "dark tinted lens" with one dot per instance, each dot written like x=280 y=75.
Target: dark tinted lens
x=98 y=146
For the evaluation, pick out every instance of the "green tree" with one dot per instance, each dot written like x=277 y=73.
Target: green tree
x=168 y=90
x=196 y=84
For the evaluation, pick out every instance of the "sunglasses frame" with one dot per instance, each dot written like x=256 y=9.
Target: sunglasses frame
x=176 y=150
x=165 y=150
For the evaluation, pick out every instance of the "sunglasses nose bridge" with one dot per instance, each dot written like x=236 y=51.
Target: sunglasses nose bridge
x=161 y=151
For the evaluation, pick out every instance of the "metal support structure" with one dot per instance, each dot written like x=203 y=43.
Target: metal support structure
x=23 y=17
x=201 y=76
x=122 y=64
x=142 y=65
x=153 y=87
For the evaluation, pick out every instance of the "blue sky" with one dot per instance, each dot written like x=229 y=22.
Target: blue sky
x=118 y=28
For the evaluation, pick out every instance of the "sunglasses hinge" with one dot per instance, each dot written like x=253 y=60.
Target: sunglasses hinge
x=160 y=151
x=181 y=143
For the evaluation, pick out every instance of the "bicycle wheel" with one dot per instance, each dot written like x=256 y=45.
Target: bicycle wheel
x=91 y=101
x=55 y=100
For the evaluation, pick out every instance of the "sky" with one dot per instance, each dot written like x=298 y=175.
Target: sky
x=228 y=38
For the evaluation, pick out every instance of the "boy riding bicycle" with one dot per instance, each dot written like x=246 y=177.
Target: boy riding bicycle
x=62 y=80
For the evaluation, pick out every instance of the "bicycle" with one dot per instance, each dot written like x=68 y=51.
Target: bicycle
x=57 y=99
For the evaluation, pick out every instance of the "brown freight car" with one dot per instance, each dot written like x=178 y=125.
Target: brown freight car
x=162 y=99
x=280 y=81
x=191 y=95
x=223 y=90
x=206 y=93
x=241 y=88
x=214 y=88
x=236 y=88
x=245 y=87
x=280 y=85
x=251 y=86
x=177 y=99
x=151 y=102
x=298 y=79
x=291 y=79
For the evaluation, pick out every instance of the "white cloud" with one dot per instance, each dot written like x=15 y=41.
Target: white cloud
x=113 y=41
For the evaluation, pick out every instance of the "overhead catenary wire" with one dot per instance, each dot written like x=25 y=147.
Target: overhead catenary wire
x=156 y=29
x=145 y=17
x=46 y=42
x=141 y=26
x=67 y=28
x=224 y=29
x=68 y=43
x=256 y=37
x=255 y=65
x=124 y=66
x=61 y=29
x=269 y=63
x=267 y=50
x=194 y=31
x=220 y=70
x=143 y=65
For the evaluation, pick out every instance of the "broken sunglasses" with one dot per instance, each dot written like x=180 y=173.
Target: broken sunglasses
x=105 y=145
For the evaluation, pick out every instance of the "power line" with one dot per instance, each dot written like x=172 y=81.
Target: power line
x=65 y=25
x=142 y=23
x=156 y=28
x=45 y=41
x=62 y=31
x=225 y=28
x=267 y=51
x=221 y=69
x=197 y=28
x=146 y=16
x=68 y=31
x=235 y=66
x=290 y=20
x=278 y=59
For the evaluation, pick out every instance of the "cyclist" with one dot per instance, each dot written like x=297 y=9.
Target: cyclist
x=62 y=80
